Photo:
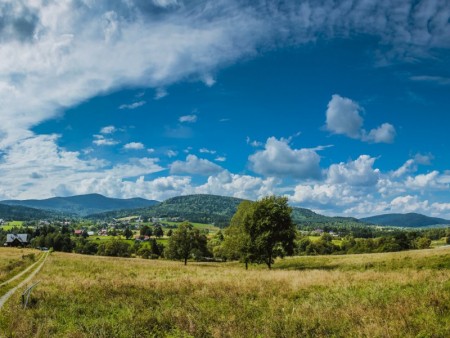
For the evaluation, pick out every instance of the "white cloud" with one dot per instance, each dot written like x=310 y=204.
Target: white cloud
x=408 y=166
x=343 y=117
x=188 y=118
x=108 y=130
x=422 y=181
x=133 y=105
x=208 y=80
x=220 y=159
x=207 y=151
x=278 y=159
x=440 y=80
x=354 y=173
x=37 y=167
x=241 y=186
x=133 y=146
x=101 y=140
x=160 y=93
x=423 y=159
x=171 y=153
x=383 y=134
x=253 y=143
x=194 y=166
x=56 y=55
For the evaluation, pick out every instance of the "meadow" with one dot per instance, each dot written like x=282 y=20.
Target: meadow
x=404 y=294
x=14 y=260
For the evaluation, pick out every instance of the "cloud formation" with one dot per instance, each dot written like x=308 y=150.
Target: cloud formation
x=57 y=54
x=343 y=117
x=188 y=118
x=278 y=159
x=195 y=166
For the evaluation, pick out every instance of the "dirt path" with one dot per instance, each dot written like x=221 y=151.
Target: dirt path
x=23 y=272
x=7 y=295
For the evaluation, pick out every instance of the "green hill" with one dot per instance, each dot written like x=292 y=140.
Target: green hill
x=83 y=205
x=20 y=213
x=411 y=220
x=215 y=209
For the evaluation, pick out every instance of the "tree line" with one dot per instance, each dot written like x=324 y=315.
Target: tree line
x=259 y=232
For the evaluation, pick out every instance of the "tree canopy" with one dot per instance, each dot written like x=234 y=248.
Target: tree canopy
x=186 y=242
x=261 y=231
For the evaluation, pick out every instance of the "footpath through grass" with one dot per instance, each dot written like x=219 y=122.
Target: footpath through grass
x=15 y=260
x=379 y=295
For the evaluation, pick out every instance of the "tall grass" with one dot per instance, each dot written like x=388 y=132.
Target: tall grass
x=377 y=295
x=15 y=260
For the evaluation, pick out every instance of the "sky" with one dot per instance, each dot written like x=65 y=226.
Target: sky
x=342 y=106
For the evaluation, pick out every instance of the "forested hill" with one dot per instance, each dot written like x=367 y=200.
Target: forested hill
x=20 y=213
x=83 y=205
x=214 y=209
x=412 y=220
x=195 y=208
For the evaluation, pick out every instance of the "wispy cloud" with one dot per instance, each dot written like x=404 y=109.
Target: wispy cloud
x=160 y=93
x=108 y=130
x=133 y=105
x=108 y=45
x=100 y=140
x=440 y=80
x=188 y=118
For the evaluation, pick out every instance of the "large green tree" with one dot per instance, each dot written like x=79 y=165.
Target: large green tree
x=261 y=231
x=186 y=242
x=237 y=243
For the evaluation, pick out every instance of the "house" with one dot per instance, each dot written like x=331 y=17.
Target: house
x=78 y=232
x=16 y=240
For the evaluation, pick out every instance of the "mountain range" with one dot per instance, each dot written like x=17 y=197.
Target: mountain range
x=200 y=208
x=82 y=205
x=412 y=220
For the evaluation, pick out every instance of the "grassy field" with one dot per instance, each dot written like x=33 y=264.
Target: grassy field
x=15 y=260
x=8 y=226
x=378 y=295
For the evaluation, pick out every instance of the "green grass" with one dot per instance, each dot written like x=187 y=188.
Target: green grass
x=403 y=294
x=210 y=227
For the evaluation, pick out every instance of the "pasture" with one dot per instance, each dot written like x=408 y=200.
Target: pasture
x=404 y=294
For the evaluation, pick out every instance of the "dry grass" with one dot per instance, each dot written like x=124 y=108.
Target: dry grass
x=12 y=261
x=379 y=295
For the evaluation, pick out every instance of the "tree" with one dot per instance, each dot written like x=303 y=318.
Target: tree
x=158 y=232
x=237 y=243
x=185 y=242
x=261 y=231
x=128 y=233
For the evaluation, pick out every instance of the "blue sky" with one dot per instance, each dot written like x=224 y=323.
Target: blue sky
x=341 y=106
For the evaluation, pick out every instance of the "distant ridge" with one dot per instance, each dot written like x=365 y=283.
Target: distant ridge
x=20 y=213
x=411 y=220
x=215 y=209
x=82 y=205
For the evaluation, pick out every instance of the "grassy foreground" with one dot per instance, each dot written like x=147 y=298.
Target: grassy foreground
x=378 y=295
x=14 y=260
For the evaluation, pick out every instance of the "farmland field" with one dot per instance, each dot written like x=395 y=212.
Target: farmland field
x=383 y=295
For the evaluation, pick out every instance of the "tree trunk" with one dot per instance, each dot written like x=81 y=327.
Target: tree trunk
x=185 y=260
x=269 y=262
x=246 y=265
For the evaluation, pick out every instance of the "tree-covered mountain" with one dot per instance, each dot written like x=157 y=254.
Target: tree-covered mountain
x=195 y=208
x=215 y=209
x=411 y=220
x=20 y=213
x=83 y=205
